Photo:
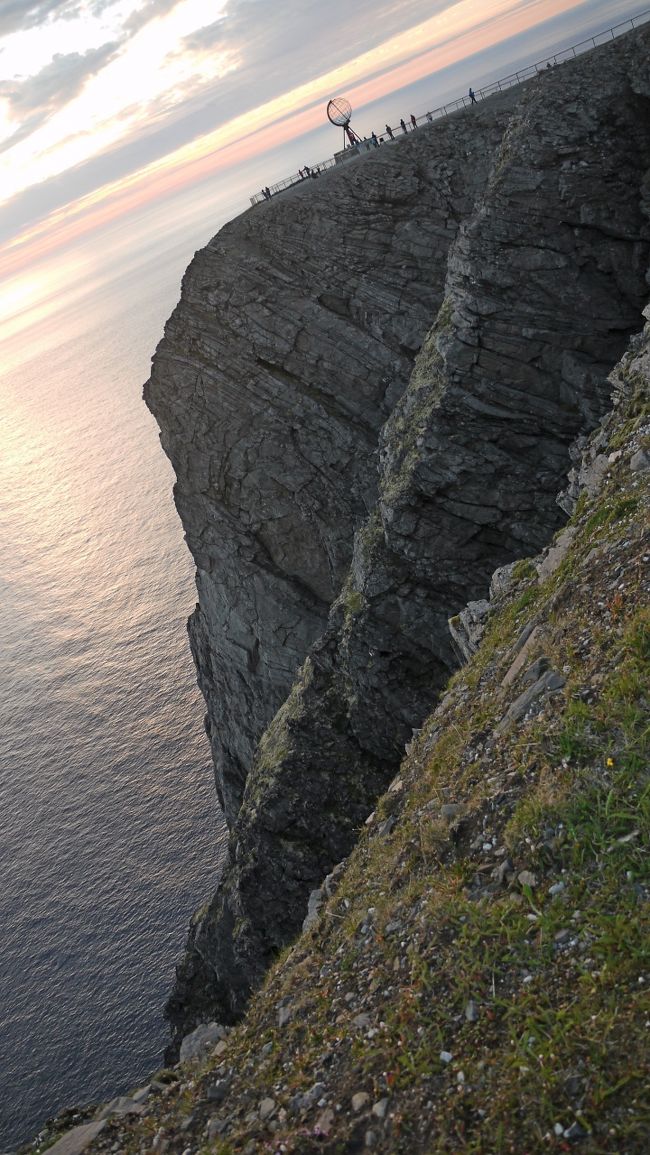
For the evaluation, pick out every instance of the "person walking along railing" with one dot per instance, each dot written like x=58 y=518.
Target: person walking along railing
x=472 y=98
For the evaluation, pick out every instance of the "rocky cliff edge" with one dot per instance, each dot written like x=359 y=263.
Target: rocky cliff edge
x=474 y=976
x=349 y=476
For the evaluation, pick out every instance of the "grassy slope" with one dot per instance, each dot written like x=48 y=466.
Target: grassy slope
x=510 y=934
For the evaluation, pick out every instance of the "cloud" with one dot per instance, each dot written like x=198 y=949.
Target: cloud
x=23 y=15
x=20 y=15
x=25 y=129
x=278 y=47
x=210 y=36
x=39 y=96
x=150 y=10
x=268 y=33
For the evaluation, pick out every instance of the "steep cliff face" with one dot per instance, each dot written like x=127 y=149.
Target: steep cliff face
x=468 y=979
x=290 y=362
x=294 y=338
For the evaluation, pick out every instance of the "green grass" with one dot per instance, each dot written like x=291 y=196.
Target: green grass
x=553 y=964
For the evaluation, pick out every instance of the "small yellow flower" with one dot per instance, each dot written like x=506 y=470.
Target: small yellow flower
x=610 y=761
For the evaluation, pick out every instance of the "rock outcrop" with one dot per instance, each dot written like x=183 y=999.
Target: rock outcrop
x=470 y=978
x=343 y=497
x=294 y=338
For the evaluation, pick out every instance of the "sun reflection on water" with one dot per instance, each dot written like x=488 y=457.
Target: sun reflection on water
x=110 y=829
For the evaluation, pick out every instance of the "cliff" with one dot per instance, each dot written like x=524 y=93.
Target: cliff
x=472 y=977
x=368 y=392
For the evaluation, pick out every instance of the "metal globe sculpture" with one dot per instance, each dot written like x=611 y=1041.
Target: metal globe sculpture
x=339 y=112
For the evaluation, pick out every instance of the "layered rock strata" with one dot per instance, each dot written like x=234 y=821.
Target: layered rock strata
x=289 y=362
x=294 y=337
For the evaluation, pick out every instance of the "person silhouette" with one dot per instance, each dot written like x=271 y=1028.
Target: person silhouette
x=390 y=131
x=472 y=95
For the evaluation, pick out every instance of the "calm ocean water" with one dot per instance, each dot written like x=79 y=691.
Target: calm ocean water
x=110 y=831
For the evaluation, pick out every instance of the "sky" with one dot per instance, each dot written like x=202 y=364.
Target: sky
x=117 y=115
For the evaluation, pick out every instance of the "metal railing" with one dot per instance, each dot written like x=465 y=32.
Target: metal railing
x=519 y=77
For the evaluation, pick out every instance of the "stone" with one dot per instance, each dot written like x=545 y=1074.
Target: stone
x=380 y=1108
x=360 y=1100
x=218 y=1091
x=285 y=1014
x=266 y=1108
x=387 y=826
x=314 y=905
x=142 y=1094
x=575 y=1132
x=502 y=580
x=76 y=1140
x=331 y=883
x=122 y=1105
x=467 y=628
x=361 y=1021
x=527 y=878
x=452 y=810
x=215 y=1127
x=640 y=461
x=471 y=1012
x=312 y=1096
x=549 y=682
x=556 y=554
x=502 y=871
x=199 y=1042
x=325 y=1122
x=521 y=658
x=535 y=671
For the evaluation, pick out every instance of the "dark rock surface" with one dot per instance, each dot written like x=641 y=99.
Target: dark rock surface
x=455 y=927
x=294 y=338
x=523 y=226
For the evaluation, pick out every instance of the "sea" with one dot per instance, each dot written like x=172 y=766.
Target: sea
x=110 y=833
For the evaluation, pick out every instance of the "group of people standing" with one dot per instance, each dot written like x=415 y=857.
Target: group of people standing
x=404 y=127
x=374 y=140
x=303 y=173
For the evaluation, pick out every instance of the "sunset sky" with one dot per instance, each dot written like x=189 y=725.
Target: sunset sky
x=110 y=107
